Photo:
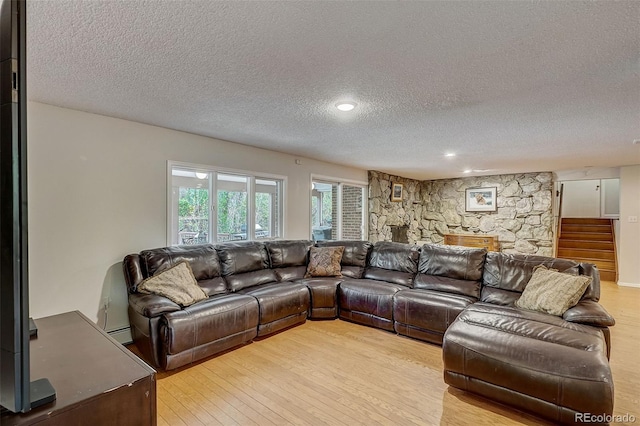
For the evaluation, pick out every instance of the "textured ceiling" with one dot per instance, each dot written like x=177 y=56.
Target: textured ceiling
x=508 y=86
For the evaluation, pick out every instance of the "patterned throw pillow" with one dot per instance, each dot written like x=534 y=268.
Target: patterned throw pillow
x=176 y=283
x=552 y=292
x=325 y=262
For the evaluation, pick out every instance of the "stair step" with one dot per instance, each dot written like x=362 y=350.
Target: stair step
x=581 y=244
x=593 y=236
x=604 y=229
x=586 y=220
x=589 y=240
x=603 y=265
x=571 y=253
x=608 y=276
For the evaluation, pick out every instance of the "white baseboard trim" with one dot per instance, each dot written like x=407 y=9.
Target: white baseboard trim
x=623 y=284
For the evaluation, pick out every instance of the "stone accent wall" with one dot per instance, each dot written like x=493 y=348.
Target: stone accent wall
x=523 y=221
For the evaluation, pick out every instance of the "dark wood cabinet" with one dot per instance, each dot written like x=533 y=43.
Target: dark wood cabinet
x=97 y=380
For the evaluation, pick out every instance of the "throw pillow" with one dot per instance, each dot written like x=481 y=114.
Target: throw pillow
x=176 y=283
x=325 y=262
x=551 y=291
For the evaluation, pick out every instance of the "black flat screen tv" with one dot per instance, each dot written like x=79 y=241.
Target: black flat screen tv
x=17 y=392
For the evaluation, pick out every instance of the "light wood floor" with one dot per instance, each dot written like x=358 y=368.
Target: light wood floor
x=335 y=372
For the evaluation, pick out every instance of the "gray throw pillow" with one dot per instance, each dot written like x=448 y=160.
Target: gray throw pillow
x=552 y=292
x=176 y=283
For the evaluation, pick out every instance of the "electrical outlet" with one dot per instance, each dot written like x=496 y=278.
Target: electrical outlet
x=633 y=219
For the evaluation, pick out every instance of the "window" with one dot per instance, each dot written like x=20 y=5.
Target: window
x=337 y=210
x=245 y=206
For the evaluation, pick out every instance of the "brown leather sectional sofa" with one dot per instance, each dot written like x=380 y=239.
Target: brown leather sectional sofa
x=461 y=298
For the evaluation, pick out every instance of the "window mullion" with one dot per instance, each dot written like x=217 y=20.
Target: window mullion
x=251 y=214
x=213 y=208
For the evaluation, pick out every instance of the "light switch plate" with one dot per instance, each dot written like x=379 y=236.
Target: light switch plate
x=633 y=219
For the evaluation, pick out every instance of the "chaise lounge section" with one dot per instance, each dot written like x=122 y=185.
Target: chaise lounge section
x=556 y=367
x=462 y=298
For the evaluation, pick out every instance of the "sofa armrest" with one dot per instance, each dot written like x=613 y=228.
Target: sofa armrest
x=151 y=305
x=589 y=312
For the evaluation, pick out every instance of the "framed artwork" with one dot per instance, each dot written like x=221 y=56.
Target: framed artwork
x=481 y=200
x=396 y=191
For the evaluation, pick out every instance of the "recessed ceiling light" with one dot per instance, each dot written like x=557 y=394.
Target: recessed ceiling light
x=345 y=106
x=450 y=154
x=467 y=171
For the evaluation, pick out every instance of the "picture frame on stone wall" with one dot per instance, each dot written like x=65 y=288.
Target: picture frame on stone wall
x=481 y=199
x=396 y=191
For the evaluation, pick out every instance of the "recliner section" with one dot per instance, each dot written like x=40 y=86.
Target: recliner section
x=246 y=268
x=369 y=301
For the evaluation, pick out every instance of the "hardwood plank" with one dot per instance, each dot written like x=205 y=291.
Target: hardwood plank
x=241 y=408
x=336 y=372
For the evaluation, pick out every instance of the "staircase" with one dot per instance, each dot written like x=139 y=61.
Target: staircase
x=589 y=240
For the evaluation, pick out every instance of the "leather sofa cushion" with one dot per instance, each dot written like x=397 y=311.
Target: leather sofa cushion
x=132 y=272
x=591 y=313
x=394 y=256
x=498 y=296
x=287 y=253
x=246 y=256
x=203 y=260
x=250 y=279
x=460 y=263
x=352 y=271
x=280 y=300
x=368 y=296
x=513 y=271
x=534 y=325
x=447 y=285
x=324 y=291
x=151 y=305
x=245 y=264
x=212 y=319
x=395 y=277
x=428 y=310
x=593 y=291
x=291 y=273
x=355 y=252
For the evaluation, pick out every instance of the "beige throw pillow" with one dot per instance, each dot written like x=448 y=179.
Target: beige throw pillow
x=325 y=262
x=176 y=283
x=552 y=292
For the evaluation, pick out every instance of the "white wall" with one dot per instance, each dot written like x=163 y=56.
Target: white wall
x=629 y=259
x=97 y=191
